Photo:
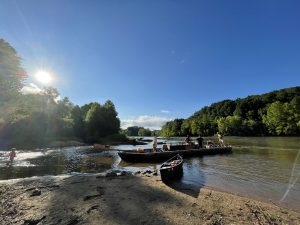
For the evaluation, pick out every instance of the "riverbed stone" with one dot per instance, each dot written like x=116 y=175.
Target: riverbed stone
x=36 y=192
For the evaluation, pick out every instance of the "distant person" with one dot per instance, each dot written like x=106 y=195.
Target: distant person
x=200 y=141
x=154 y=143
x=12 y=156
x=221 y=137
x=187 y=140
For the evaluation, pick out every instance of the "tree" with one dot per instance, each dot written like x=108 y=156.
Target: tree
x=78 y=122
x=132 y=131
x=185 y=128
x=101 y=121
x=111 y=123
x=51 y=94
x=93 y=122
x=230 y=125
x=172 y=128
x=282 y=118
x=11 y=73
x=144 y=132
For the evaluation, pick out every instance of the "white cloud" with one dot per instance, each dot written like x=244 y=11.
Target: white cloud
x=31 y=89
x=151 y=122
x=165 y=111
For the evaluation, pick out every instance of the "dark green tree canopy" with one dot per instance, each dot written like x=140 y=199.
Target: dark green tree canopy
x=11 y=73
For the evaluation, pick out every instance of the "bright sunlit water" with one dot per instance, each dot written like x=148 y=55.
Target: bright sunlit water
x=263 y=168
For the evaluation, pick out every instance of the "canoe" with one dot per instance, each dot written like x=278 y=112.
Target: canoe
x=172 y=168
x=147 y=155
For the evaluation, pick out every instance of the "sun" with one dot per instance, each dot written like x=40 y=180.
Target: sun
x=43 y=77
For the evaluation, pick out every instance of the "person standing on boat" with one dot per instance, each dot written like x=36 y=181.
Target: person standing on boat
x=200 y=141
x=187 y=140
x=154 y=143
x=221 y=138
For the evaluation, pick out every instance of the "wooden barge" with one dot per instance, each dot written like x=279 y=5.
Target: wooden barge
x=147 y=155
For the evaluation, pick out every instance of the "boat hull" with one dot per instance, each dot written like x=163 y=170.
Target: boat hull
x=172 y=172
x=133 y=156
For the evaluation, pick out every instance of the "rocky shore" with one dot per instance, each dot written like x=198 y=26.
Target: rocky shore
x=122 y=198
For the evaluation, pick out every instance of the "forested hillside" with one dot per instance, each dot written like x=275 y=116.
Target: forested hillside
x=36 y=119
x=274 y=113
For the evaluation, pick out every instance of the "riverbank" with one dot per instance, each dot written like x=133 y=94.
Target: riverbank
x=128 y=199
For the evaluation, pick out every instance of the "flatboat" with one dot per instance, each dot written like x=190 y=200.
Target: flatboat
x=147 y=155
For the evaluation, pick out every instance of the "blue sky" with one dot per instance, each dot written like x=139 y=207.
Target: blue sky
x=156 y=60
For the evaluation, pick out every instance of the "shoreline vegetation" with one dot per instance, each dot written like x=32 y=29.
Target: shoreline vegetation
x=271 y=114
x=110 y=199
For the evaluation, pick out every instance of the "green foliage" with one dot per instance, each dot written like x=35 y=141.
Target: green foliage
x=252 y=116
x=101 y=121
x=172 y=128
x=78 y=124
x=37 y=119
x=139 y=131
x=11 y=73
x=283 y=118
x=132 y=131
x=144 y=132
x=230 y=125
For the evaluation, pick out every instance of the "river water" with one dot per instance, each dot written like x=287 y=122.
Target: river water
x=265 y=168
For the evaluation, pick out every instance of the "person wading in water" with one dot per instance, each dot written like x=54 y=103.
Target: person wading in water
x=11 y=156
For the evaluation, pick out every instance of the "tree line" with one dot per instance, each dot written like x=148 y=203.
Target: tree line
x=140 y=131
x=36 y=119
x=274 y=113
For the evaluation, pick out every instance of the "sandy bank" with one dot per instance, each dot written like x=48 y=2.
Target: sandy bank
x=128 y=200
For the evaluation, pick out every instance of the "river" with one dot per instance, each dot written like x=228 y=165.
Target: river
x=265 y=168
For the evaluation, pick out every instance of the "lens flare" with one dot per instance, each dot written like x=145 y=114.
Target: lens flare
x=293 y=178
x=43 y=77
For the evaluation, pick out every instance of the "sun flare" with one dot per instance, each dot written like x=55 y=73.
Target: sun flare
x=43 y=77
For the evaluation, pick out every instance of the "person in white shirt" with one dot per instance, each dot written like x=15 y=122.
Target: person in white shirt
x=154 y=143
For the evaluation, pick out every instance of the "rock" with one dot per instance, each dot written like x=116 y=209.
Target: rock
x=138 y=172
x=147 y=172
x=36 y=192
x=155 y=173
x=73 y=221
x=111 y=174
x=33 y=221
x=124 y=173
x=92 y=208
x=88 y=197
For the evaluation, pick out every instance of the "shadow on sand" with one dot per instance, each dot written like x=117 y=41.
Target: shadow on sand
x=89 y=200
